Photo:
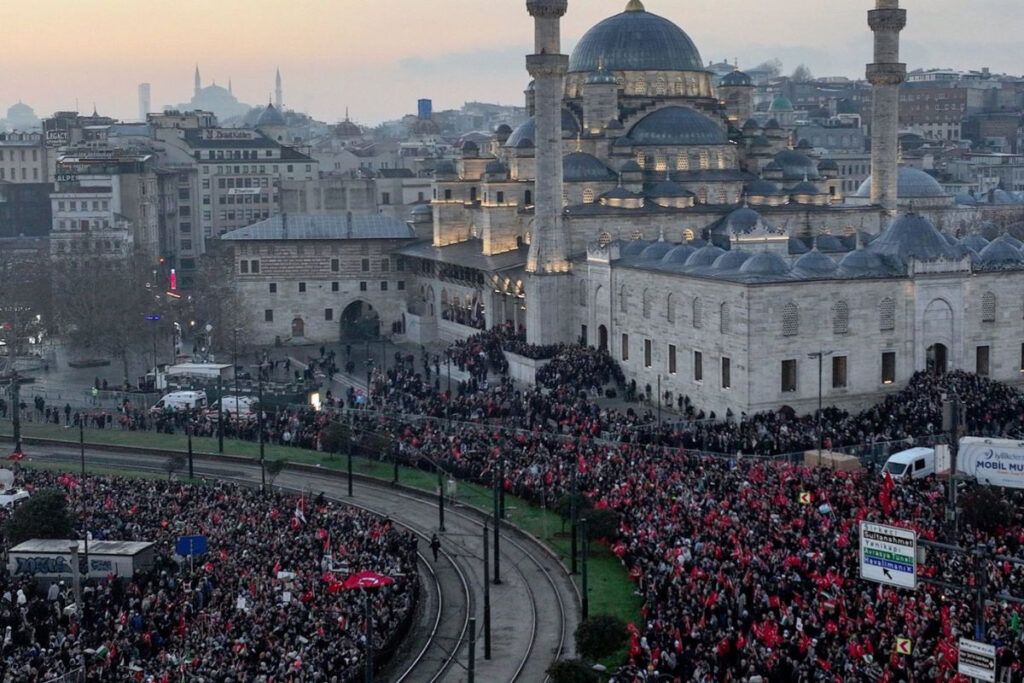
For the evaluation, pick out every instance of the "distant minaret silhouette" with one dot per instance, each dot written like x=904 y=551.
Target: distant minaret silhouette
x=230 y=91
x=277 y=91
x=198 y=82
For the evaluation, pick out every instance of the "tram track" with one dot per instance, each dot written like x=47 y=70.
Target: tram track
x=527 y=634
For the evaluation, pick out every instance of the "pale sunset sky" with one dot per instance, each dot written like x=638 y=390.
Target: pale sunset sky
x=378 y=56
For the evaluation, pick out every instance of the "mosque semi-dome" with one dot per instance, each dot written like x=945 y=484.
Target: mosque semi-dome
x=581 y=167
x=1001 y=252
x=656 y=251
x=525 y=133
x=705 y=256
x=674 y=126
x=635 y=40
x=731 y=260
x=911 y=182
x=765 y=263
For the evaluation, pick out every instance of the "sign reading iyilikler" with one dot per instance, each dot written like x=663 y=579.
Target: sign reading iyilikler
x=888 y=555
x=977 y=660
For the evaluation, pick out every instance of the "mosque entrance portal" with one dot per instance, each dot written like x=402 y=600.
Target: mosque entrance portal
x=359 y=322
x=602 y=338
x=937 y=358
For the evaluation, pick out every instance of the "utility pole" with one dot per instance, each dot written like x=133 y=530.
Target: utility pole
x=263 y=469
x=188 y=431
x=471 y=669
x=820 y=355
x=487 y=593
x=951 y=422
x=572 y=519
x=220 y=412
x=81 y=442
x=497 y=522
x=585 y=606
x=440 y=497
x=659 y=399
x=348 y=451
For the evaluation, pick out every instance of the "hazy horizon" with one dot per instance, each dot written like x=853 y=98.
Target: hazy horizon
x=335 y=54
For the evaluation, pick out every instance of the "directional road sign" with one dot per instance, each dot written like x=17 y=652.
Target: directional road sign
x=888 y=555
x=977 y=660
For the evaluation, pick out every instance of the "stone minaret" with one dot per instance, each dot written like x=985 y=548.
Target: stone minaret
x=886 y=74
x=277 y=91
x=199 y=83
x=547 y=263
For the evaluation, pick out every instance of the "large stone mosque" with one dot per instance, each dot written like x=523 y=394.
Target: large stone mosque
x=641 y=209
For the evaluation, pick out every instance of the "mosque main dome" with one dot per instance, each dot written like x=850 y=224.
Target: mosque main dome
x=635 y=40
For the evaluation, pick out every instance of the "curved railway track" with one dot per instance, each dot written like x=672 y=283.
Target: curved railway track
x=534 y=610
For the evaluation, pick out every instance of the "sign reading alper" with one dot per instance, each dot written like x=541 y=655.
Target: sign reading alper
x=888 y=555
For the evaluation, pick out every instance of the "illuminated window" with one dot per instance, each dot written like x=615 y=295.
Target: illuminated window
x=888 y=367
x=588 y=196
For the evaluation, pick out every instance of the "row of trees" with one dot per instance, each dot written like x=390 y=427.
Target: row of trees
x=111 y=308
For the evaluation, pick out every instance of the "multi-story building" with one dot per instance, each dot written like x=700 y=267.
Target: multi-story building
x=23 y=158
x=316 y=278
x=239 y=172
x=88 y=221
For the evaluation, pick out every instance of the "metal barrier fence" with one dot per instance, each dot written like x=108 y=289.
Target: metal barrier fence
x=76 y=676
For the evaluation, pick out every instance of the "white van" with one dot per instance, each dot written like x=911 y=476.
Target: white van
x=919 y=462
x=240 y=406
x=180 y=400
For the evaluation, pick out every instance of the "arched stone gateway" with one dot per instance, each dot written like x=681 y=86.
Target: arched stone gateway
x=938 y=335
x=359 y=322
x=602 y=338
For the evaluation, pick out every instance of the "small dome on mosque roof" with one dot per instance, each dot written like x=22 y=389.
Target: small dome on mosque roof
x=910 y=183
x=765 y=263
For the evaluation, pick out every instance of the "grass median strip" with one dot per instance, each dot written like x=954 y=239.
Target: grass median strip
x=611 y=591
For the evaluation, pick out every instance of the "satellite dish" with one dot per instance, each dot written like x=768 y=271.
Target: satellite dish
x=6 y=478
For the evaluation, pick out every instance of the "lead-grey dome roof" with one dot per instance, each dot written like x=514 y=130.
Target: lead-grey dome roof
x=814 y=264
x=656 y=251
x=668 y=189
x=635 y=40
x=1000 y=253
x=742 y=221
x=674 y=126
x=679 y=254
x=796 y=166
x=495 y=167
x=913 y=236
x=911 y=182
x=765 y=263
x=975 y=242
x=731 y=260
x=705 y=256
x=762 y=188
x=862 y=263
x=736 y=79
x=270 y=117
x=581 y=167
x=634 y=248
x=829 y=243
x=525 y=133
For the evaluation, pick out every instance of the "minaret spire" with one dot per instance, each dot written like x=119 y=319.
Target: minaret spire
x=885 y=75
x=199 y=83
x=277 y=91
x=547 y=262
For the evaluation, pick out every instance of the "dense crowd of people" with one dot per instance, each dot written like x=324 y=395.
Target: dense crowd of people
x=742 y=580
x=265 y=603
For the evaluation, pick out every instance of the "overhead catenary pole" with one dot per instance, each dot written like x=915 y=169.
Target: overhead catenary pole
x=348 y=451
x=573 y=550
x=440 y=498
x=497 y=541
x=220 y=413
x=487 y=592
x=585 y=600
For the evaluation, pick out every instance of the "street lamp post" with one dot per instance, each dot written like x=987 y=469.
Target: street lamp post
x=820 y=355
x=81 y=442
x=188 y=432
x=234 y=361
x=263 y=469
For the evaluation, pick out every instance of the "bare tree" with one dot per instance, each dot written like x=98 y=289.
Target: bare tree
x=113 y=307
x=215 y=301
x=802 y=74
